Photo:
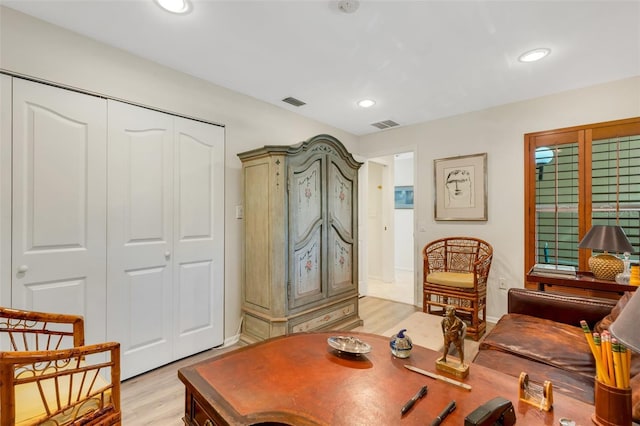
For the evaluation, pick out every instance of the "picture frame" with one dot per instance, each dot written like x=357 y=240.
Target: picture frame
x=403 y=197
x=461 y=188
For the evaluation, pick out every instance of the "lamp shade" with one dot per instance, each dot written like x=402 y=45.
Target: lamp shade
x=625 y=327
x=606 y=238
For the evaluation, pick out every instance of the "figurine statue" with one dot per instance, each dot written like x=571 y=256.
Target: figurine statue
x=453 y=331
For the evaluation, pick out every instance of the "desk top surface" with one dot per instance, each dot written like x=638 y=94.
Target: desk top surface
x=299 y=379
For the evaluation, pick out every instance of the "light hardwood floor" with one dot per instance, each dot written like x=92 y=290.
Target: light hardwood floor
x=157 y=397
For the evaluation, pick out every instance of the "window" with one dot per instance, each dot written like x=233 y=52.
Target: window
x=576 y=178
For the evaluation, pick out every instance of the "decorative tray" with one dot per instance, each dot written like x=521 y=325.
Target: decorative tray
x=349 y=344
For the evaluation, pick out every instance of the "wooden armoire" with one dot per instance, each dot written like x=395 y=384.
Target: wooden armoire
x=300 y=239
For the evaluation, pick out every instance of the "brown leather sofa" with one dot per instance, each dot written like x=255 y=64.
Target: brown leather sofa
x=540 y=335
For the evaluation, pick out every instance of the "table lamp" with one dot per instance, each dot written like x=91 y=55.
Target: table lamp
x=606 y=238
x=625 y=327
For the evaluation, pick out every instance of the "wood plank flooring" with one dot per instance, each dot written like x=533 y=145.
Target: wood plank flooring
x=157 y=397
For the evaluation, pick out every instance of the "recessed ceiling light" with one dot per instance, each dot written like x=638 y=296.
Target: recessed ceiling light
x=366 y=103
x=175 y=6
x=534 y=55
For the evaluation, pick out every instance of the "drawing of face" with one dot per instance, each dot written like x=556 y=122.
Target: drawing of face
x=459 y=184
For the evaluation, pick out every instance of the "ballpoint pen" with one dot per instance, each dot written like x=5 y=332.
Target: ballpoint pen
x=406 y=407
x=447 y=410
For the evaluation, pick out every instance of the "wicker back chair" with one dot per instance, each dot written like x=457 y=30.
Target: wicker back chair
x=48 y=375
x=455 y=273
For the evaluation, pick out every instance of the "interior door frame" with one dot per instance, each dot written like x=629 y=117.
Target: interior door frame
x=6 y=102
x=363 y=183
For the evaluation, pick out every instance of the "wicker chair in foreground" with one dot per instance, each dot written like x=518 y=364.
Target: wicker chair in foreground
x=455 y=273
x=48 y=375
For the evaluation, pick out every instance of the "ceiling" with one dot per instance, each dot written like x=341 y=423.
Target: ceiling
x=420 y=60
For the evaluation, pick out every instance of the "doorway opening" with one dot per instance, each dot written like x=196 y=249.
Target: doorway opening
x=389 y=272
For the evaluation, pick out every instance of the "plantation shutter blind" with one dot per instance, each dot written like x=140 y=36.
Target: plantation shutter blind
x=616 y=165
x=557 y=201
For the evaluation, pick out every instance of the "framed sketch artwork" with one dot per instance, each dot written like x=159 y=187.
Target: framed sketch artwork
x=461 y=187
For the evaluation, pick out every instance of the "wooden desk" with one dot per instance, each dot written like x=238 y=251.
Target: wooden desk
x=582 y=280
x=300 y=380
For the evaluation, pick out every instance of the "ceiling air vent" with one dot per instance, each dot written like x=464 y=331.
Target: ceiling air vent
x=294 y=101
x=385 y=124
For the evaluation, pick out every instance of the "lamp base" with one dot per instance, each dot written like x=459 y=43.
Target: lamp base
x=606 y=266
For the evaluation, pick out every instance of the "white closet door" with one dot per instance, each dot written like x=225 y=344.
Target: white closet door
x=59 y=203
x=140 y=223
x=198 y=236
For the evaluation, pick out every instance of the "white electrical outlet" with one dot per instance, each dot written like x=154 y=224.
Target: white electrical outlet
x=503 y=285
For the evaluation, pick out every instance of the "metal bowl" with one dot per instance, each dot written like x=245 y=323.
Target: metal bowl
x=349 y=344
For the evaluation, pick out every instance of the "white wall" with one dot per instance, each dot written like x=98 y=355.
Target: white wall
x=499 y=132
x=36 y=49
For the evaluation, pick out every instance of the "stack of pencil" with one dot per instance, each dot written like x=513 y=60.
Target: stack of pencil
x=613 y=359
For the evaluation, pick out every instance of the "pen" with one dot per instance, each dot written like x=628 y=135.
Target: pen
x=447 y=410
x=406 y=407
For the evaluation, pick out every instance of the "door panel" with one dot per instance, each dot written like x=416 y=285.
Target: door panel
x=306 y=199
x=59 y=203
x=195 y=278
x=307 y=239
x=140 y=233
x=258 y=259
x=198 y=236
x=340 y=197
x=341 y=202
x=340 y=264
x=307 y=281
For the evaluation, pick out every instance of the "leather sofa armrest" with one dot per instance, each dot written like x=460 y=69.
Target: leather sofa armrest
x=564 y=308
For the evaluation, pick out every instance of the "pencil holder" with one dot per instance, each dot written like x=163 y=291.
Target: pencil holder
x=613 y=405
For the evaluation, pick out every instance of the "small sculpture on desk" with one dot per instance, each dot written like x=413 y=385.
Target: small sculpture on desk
x=453 y=332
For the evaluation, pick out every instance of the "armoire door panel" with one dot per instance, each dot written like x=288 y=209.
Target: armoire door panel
x=340 y=264
x=307 y=271
x=140 y=220
x=306 y=198
x=198 y=236
x=341 y=200
x=59 y=202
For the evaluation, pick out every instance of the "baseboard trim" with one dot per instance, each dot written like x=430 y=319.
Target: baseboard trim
x=229 y=341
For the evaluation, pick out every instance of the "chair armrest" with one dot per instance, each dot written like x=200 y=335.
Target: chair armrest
x=567 y=309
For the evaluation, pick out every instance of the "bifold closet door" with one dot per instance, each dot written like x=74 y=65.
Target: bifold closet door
x=140 y=234
x=59 y=203
x=165 y=236
x=198 y=236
